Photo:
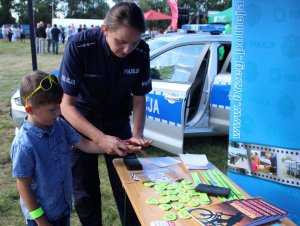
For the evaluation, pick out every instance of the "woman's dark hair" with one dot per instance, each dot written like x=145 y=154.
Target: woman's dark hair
x=125 y=14
x=30 y=82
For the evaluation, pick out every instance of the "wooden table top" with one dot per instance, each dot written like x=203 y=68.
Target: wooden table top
x=138 y=193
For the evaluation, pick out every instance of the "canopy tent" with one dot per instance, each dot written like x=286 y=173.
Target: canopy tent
x=153 y=15
x=221 y=17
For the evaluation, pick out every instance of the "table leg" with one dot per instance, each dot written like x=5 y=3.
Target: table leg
x=129 y=218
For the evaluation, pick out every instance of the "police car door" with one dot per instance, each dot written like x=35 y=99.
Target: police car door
x=173 y=71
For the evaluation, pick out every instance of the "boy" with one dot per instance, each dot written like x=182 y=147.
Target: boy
x=40 y=153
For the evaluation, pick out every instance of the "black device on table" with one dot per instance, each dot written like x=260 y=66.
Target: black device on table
x=132 y=163
x=213 y=190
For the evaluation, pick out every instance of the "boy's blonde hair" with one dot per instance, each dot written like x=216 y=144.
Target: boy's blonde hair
x=30 y=82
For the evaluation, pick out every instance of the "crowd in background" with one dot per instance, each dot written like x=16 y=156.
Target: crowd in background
x=155 y=32
x=13 y=33
x=47 y=36
x=48 y=39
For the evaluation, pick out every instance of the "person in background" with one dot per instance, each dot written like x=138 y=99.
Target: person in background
x=16 y=33
x=40 y=153
x=84 y=27
x=105 y=74
x=55 y=32
x=23 y=34
x=48 y=37
x=60 y=36
x=63 y=35
x=74 y=29
x=79 y=29
x=9 y=33
x=70 y=32
x=4 y=33
x=41 y=33
x=37 y=38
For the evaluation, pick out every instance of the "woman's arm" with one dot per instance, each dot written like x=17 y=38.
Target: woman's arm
x=107 y=144
x=139 y=117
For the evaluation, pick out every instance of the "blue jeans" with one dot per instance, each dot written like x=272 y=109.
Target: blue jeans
x=65 y=221
x=37 y=45
x=55 y=46
x=49 y=44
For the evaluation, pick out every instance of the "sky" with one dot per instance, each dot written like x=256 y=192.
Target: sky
x=109 y=2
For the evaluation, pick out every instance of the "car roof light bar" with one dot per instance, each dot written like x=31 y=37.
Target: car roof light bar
x=213 y=28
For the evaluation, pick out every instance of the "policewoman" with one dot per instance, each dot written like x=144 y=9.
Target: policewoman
x=105 y=76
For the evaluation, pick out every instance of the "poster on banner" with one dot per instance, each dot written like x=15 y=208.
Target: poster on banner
x=277 y=165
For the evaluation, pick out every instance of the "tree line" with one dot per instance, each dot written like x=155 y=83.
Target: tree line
x=95 y=9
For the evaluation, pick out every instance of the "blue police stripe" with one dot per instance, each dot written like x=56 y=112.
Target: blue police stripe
x=220 y=95
x=160 y=109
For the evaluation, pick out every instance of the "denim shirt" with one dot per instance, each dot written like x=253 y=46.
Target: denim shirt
x=45 y=157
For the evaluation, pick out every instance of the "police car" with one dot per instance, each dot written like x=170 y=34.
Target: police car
x=191 y=84
x=190 y=96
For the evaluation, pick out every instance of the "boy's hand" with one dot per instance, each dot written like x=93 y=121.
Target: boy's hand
x=106 y=144
x=112 y=145
x=42 y=221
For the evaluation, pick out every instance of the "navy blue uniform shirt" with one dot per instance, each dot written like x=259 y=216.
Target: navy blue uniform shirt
x=101 y=81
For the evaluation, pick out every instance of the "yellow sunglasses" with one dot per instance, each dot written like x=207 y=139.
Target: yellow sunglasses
x=45 y=85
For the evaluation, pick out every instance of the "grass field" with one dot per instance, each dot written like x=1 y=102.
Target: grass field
x=15 y=61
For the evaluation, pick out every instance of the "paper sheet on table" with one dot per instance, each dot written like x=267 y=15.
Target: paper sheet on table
x=194 y=161
x=163 y=161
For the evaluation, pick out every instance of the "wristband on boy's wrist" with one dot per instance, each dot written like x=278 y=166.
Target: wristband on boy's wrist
x=36 y=213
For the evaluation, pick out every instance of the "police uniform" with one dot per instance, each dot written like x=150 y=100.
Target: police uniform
x=104 y=85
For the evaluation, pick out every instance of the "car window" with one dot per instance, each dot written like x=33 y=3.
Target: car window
x=156 y=43
x=226 y=67
x=176 y=64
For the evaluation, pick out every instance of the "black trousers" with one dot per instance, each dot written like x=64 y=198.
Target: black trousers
x=86 y=182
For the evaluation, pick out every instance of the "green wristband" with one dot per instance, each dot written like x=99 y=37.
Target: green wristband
x=36 y=213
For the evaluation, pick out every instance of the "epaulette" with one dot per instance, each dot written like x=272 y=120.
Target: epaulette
x=86 y=44
x=141 y=50
x=143 y=47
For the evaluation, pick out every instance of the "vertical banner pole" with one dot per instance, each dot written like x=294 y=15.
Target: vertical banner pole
x=32 y=35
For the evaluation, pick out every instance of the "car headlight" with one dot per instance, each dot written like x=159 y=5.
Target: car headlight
x=18 y=101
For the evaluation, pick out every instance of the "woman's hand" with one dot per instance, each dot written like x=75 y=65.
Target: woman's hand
x=136 y=145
